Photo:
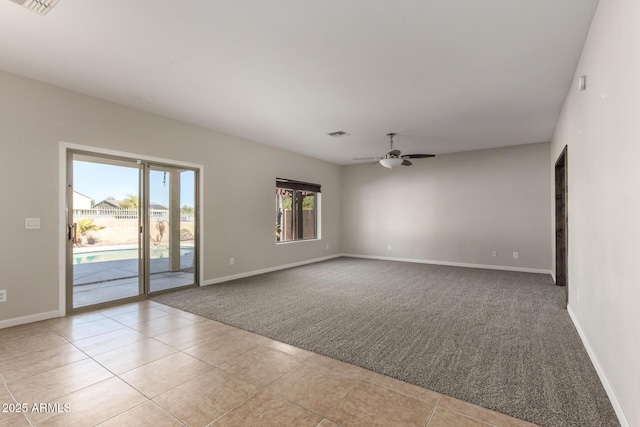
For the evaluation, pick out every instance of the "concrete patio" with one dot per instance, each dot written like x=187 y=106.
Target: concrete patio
x=99 y=282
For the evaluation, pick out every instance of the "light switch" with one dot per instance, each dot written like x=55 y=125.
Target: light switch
x=32 y=223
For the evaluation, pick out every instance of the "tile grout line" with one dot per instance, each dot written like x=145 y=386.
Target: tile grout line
x=381 y=385
x=202 y=360
x=153 y=361
x=6 y=386
x=293 y=403
x=402 y=392
x=93 y=336
x=117 y=415
x=145 y=402
x=491 y=424
x=433 y=411
x=341 y=400
x=358 y=382
x=235 y=406
x=310 y=410
x=263 y=389
x=290 y=370
x=176 y=386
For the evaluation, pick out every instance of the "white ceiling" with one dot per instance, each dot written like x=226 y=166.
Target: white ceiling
x=446 y=75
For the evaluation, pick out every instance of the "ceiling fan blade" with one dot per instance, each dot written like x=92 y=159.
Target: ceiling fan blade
x=390 y=159
x=417 y=156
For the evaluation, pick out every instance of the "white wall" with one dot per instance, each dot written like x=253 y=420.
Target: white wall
x=80 y=201
x=454 y=208
x=239 y=204
x=601 y=127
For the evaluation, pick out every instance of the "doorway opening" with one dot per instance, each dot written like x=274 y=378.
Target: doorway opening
x=562 y=242
x=132 y=229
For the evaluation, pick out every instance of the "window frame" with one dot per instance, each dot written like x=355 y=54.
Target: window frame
x=299 y=191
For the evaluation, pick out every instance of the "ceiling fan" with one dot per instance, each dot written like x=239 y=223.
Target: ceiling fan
x=394 y=158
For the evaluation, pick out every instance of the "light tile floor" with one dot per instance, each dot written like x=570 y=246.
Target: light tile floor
x=147 y=364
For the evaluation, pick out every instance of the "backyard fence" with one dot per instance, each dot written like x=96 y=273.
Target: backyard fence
x=117 y=213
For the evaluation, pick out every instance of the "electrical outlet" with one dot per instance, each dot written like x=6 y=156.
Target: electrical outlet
x=494 y=253
x=515 y=255
x=232 y=261
x=32 y=223
x=582 y=83
x=389 y=247
x=327 y=246
x=3 y=295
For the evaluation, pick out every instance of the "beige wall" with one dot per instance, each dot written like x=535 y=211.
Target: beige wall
x=239 y=185
x=601 y=127
x=454 y=208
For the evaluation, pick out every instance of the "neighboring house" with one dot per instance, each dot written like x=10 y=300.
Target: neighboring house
x=110 y=208
x=158 y=207
x=109 y=204
x=81 y=201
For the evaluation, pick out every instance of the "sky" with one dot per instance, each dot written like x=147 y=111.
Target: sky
x=100 y=181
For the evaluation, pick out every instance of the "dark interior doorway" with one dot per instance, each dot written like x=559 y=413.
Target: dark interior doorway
x=561 y=222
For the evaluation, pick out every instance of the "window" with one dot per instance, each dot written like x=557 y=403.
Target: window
x=296 y=210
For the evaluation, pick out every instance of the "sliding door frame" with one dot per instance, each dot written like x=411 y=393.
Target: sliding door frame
x=147 y=167
x=142 y=273
x=65 y=305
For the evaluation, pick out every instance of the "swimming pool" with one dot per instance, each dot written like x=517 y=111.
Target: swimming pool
x=124 y=254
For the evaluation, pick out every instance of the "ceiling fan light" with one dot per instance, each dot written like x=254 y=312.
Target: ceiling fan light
x=391 y=162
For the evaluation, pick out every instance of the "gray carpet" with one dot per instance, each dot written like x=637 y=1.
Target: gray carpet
x=499 y=339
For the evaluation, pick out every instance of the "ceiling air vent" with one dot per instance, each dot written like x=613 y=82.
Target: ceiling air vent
x=39 y=6
x=338 y=134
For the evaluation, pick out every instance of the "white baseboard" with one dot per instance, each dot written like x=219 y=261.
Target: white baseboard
x=29 y=319
x=420 y=261
x=266 y=270
x=453 y=264
x=624 y=422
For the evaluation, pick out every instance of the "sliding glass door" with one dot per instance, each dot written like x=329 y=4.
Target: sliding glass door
x=131 y=228
x=172 y=227
x=103 y=230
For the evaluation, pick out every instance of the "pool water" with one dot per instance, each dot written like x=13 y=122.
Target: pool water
x=123 y=254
